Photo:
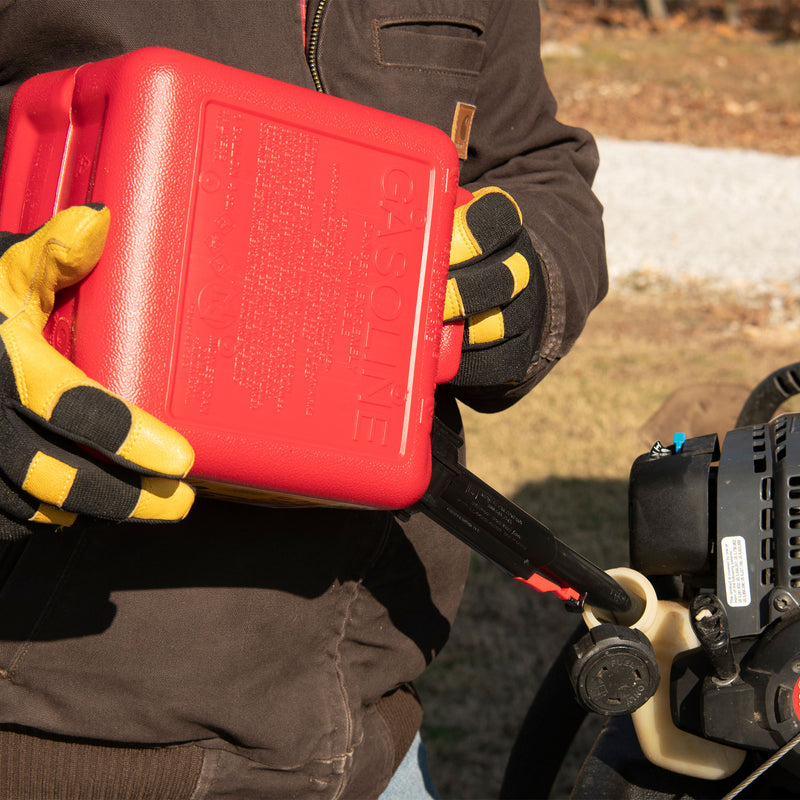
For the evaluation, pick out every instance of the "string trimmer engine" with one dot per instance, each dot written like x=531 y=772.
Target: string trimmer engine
x=721 y=529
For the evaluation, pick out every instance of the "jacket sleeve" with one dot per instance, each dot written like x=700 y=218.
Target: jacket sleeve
x=548 y=168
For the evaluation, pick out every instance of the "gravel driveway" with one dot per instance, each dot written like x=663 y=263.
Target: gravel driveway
x=728 y=215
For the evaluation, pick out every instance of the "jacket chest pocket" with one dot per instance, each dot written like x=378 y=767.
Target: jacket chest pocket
x=442 y=37
x=415 y=58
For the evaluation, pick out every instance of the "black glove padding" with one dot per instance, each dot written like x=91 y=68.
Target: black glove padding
x=496 y=285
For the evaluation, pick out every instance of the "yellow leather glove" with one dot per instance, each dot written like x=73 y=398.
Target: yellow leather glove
x=496 y=285
x=69 y=447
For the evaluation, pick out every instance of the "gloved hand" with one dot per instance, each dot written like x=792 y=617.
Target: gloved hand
x=495 y=284
x=67 y=445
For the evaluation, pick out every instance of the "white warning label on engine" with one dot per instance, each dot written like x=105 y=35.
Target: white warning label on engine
x=734 y=565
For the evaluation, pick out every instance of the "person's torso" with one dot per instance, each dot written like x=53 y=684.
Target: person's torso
x=416 y=58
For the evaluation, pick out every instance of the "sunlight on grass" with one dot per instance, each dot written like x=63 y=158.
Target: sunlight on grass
x=564 y=454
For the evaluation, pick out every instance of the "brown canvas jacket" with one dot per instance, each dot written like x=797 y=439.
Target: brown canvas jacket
x=262 y=653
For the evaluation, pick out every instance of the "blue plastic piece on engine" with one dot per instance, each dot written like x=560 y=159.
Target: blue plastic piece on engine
x=679 y=439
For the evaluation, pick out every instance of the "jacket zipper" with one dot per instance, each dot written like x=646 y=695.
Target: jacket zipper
x=312 y=52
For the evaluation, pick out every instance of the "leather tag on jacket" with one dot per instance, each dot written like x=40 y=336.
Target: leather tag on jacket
x=462 y=126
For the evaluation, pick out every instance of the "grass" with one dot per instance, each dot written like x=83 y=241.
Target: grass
x=654 y=358
x=708 y=85
x=564 y=454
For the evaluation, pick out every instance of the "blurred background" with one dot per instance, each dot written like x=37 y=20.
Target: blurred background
x=669 y=349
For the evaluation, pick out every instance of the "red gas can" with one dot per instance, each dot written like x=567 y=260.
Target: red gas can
x=273 y=281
